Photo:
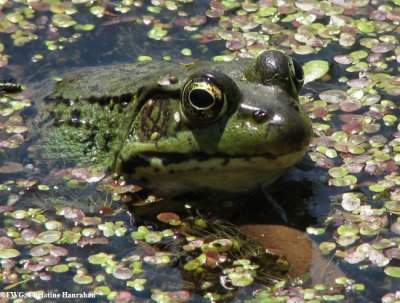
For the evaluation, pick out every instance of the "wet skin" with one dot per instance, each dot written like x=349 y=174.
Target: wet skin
x=222 y=126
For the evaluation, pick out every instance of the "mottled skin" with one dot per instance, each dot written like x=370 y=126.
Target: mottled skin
x=235 y=125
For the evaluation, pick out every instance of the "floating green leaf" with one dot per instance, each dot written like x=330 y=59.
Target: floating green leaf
x=50 y=236
x=314 y=70
x=137 y=284
x=240 y=279
x=186 y=52
x=8 y=253
x=82 y=279
x=100 y=258
x=102 y=290
x=157 y=33
x=63 y=20
x=60 y=268
x=327 y=247
x=392 y=271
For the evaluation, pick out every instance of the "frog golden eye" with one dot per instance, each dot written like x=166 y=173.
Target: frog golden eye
x=202 y=100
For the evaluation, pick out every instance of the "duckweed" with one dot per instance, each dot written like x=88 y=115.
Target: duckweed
x=314 y=70
x=50 y=236
x=8 y=253
x=83 y=279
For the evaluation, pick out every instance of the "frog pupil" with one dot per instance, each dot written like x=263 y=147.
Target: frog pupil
x=201 y=98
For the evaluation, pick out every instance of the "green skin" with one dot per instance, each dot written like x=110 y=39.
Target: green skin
x=139 y=119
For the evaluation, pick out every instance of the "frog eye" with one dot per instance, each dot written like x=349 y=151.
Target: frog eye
x=297 y=72
x=202 y=100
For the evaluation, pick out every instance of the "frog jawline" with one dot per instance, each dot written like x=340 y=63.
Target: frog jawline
x=233 y=175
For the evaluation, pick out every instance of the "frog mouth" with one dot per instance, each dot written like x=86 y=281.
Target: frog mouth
x=176 y=158
x=178 y=174
x=162 y=162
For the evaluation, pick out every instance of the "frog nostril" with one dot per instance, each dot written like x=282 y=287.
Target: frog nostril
x=260 y=116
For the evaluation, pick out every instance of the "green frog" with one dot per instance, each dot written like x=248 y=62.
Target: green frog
x=221 y=126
